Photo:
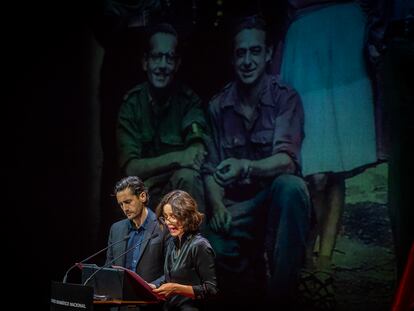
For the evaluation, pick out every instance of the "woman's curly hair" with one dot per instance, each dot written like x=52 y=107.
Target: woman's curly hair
x=184 y=208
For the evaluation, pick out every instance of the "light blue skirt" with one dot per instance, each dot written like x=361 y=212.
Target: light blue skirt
x=323 y=60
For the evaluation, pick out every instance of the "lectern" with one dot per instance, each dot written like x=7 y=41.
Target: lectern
x=118 y=283
x=71 y=297
x=102 y=286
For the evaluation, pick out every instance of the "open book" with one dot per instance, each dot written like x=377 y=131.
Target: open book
x=141 y=284
x=117 y=283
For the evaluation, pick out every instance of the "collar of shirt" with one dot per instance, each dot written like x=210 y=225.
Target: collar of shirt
x=186 y=237
x=233 y=99
x=132 y=227
x=156 y=107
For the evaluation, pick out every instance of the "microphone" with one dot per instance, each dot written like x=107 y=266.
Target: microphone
x=93 y=255
x=113 y=260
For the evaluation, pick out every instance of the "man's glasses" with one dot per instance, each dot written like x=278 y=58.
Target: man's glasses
x=170 y=219
x=158 y=57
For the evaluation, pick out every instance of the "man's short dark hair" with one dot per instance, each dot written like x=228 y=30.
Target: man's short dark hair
x=134 y=183
x=251 y=22
x=159 y=28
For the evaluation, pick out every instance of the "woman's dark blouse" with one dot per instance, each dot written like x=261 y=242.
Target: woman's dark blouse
x=191 y=262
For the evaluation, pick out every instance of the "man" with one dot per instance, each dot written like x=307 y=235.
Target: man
x=259 y=207
x=142 y=226
x=161 y=124
x=145 y=233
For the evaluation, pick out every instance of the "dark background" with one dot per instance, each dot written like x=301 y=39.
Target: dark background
x=49 y=222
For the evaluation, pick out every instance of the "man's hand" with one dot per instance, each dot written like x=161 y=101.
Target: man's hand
x=193 y=156
x=220 y=220
x=229 y=170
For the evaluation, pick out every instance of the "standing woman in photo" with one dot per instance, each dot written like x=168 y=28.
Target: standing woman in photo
x=324 y=57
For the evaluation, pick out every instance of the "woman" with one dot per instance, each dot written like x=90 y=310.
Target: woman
x=323 y=59
x=189 y=267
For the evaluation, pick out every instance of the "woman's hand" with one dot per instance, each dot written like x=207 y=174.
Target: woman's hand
x=166 y=290
x=151 y=285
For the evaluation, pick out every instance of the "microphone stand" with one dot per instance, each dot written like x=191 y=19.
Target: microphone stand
x=91 y=256
x=113 y=260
